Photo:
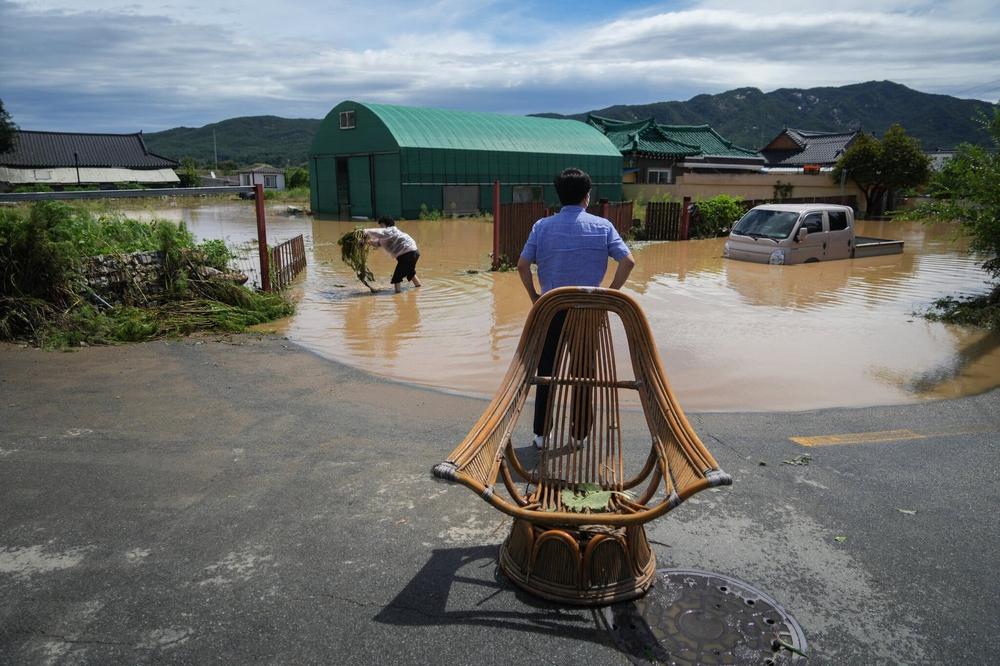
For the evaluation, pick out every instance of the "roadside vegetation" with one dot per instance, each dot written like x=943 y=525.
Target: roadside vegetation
x=46 y=299
x=967 y=190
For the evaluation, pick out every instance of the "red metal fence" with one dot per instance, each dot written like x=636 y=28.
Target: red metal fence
x=287 y=260
x=514 y=221
x=618 y=212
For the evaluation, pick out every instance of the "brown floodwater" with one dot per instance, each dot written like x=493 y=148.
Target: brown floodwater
x=732 y=335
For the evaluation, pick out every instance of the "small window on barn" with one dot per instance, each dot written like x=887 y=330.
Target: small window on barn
x=346 y=120
x=527 y=193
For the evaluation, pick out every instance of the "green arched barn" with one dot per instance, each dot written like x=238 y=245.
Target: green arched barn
x=369 y=160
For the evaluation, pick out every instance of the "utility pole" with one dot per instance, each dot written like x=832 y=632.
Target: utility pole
x=215 y=149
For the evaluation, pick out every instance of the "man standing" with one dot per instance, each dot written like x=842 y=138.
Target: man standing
x=571 y=249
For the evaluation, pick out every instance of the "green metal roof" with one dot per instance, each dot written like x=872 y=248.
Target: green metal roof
x=414 y=127
x=651 y=138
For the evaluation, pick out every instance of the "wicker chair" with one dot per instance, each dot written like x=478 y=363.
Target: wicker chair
x=596 y=556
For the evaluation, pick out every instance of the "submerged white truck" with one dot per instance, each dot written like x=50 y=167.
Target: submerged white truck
x=801 y=234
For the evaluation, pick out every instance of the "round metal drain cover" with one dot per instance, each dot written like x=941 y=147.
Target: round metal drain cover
x=697 y=617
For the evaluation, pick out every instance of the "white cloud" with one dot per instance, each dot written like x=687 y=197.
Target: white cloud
x=129 y=66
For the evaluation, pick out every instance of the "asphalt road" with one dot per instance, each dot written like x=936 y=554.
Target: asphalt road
x=245 y=501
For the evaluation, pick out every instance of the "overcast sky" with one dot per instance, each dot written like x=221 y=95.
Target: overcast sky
x=140 y=65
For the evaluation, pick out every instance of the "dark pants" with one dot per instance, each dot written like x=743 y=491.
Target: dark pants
x=580 y=415
x=406 y=267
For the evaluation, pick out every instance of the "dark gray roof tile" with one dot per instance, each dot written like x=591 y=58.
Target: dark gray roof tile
x=34 y=149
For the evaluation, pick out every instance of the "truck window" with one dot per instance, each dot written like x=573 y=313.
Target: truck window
x=813 y=222
x=838 y=220
x=763 y=223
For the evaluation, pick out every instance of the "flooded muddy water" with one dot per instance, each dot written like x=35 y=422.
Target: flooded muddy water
x=732 y=335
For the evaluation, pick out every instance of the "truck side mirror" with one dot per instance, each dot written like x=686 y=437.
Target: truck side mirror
x=801 y=236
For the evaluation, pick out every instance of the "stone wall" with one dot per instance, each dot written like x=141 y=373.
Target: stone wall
x=126 y=279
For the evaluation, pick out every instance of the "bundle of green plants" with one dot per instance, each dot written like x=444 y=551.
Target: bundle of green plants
x=354 y=250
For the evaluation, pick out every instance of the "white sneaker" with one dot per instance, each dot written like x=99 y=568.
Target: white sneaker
x=538 y=441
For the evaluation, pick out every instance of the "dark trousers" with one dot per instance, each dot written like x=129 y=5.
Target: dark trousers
x=580 y=415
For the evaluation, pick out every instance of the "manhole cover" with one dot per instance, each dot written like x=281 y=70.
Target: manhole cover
x=697 y=617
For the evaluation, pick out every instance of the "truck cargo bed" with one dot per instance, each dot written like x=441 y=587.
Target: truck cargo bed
x=865 y=246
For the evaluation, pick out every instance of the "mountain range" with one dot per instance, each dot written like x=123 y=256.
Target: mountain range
x=746 y=116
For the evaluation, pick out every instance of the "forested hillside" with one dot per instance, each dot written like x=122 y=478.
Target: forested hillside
x=750 y=118
x=746 y=116
x=272 y=140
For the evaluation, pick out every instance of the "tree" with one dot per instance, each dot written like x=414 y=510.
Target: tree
x=296 y=177
x=188 y=173
x=969 y=184
x=8 y=130
x=880 y=167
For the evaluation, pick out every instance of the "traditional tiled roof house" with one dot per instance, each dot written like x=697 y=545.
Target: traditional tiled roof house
x=58 y=159
x=796 y=150
x=658 y=154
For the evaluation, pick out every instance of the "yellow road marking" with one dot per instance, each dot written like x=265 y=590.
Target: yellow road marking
x=878 y=436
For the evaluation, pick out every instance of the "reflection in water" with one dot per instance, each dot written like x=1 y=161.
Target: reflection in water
x=733 y=335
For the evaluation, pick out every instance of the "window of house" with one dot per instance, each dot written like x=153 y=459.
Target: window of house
x=346 y=120
x=838 y=220
x=659 y=176
x=527 y=193
x=271 y=181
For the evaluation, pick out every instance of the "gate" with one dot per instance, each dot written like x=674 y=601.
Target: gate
x=663 y=221
x=287 y=260
x=514 y=222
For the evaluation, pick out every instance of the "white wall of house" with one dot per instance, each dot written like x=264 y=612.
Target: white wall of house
x=744 y=185
x=86 y=176
x=270 y=181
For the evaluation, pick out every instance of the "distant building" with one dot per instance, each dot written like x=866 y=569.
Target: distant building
x=658 y=154
x=939 y=156
x=270 y=177
x=805 y=151
x=60 y=159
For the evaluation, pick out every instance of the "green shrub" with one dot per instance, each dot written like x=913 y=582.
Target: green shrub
x=428 y=213
x=215 y=253
x=296 y=178
x=716 y=216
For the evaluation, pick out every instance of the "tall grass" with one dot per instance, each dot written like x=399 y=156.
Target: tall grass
x=45 y=297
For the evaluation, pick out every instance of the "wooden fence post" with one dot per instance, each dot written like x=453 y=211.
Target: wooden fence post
x=496 y=225
x=685 y=218
x=265 y=265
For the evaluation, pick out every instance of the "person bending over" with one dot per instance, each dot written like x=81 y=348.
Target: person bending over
x=400 y=246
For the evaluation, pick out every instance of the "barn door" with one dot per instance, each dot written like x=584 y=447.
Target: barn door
x=359 y=174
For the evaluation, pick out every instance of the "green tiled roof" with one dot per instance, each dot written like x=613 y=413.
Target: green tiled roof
x=651 y=138
x=414 y=127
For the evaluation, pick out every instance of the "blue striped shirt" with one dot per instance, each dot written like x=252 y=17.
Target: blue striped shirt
x=572 y=248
